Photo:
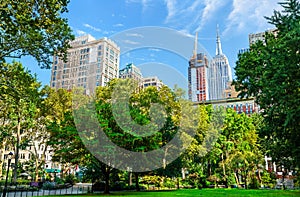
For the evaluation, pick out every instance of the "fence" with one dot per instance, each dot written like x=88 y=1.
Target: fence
x=27 y=192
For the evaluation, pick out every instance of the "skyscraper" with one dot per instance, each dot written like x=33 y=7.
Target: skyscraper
x=197 y=75
x=219 y=73
x=90 y=63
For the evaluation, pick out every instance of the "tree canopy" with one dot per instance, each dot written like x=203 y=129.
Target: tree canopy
x=35 y=28
x=270 y=71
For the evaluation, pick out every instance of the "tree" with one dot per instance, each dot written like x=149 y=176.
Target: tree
x=241 y=154
x=20 y=96
x=35 y=28
x=270 y=71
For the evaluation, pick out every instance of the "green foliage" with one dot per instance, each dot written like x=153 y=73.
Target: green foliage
x=19 y=104
x=268 y=179
x=70 y=178
x=270 y=72
x=35 y=28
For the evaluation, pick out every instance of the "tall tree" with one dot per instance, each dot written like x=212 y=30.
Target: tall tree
x=35 y=28
x=20 y=93
x=270 y=71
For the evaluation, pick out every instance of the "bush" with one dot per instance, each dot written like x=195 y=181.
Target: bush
x=71 y=179
x=254 y=183
x=49 y=185
x=118 y=186
x=268 y=179
x=169 y=183
x=297 y=180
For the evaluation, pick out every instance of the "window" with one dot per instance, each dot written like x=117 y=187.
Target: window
x=22 y=156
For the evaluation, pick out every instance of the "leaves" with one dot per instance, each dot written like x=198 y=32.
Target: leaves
x=35 y=28
x=270 y=72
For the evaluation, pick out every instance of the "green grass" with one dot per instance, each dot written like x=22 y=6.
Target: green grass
x=204 y=192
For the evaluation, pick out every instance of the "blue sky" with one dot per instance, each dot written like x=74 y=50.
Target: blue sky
x=110 y=18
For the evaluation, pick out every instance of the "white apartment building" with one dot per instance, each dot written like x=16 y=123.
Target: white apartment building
x=90 y=63
x=152 y=81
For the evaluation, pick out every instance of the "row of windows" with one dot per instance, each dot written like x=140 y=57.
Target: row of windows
x=86 y=50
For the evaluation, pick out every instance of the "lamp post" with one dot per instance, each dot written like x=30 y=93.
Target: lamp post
x=9 y=156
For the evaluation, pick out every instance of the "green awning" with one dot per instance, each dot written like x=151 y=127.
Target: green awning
x=52 y=170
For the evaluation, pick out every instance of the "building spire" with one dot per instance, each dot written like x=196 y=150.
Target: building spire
x=195 y=45
x=219 y=48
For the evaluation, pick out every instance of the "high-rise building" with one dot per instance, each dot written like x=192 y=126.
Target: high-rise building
x=90 y=63
x=131 y=71
x=219 y=73
x=197 y=75
x=152 y=81
x=260 y=36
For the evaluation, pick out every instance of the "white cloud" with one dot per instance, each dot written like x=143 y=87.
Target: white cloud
x=130 y=42
x=118 y=25
x=191 y=15
x=171 y=8
x=108 y=32
x=80 y=32
x=247 y=15
x=92 y=27
x=186 y=33
x=135 y=35
x=211 y=6
x=154 y=49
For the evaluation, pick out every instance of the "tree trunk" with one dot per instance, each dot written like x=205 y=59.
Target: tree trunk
x=137 y=186
x=209 y=167
x=259 y=177
x=107 y=173
x=224 y=169
x=17 y=151
x=246 y=176
x=236 y=179
x=283 y=174
x=36 y=179
x=129 y=178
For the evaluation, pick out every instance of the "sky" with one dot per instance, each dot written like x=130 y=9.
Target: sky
x=161 y=32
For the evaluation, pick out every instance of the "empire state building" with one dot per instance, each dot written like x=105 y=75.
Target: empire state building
x=219 y=73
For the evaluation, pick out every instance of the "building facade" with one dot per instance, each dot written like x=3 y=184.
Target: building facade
x=247 y=106
x=152 y=81
x=132 y=72
x=219 y=73
x=197 y=76
x=90 y=63
x=260 y=36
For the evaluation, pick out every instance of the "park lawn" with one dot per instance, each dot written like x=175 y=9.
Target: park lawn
x=203 y=192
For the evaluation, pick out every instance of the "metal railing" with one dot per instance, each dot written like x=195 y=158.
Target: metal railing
x=30 y=192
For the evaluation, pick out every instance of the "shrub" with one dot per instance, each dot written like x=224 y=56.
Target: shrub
x=48 y=185
x=71 y=179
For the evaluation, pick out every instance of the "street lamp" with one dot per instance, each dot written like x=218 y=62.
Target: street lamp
x=9 y=156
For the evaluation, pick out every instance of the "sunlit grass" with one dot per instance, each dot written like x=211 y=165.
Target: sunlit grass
x=204 y=192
